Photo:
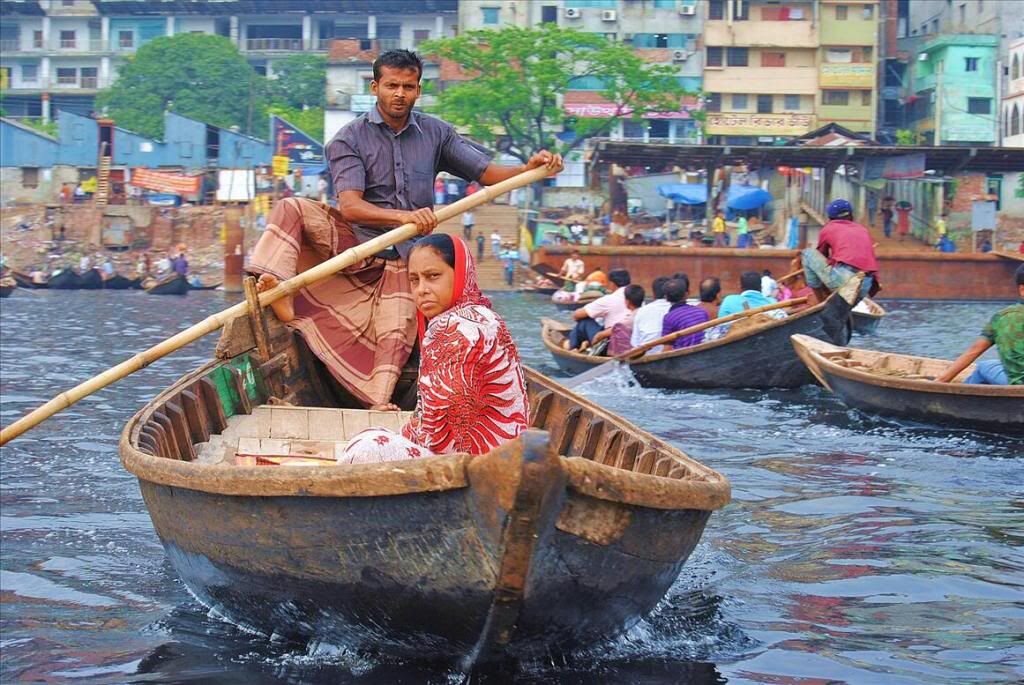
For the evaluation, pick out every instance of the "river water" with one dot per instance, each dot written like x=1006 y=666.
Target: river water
x=855 y=550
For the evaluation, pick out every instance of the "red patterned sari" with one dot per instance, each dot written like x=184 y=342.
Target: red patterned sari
x=472 y=393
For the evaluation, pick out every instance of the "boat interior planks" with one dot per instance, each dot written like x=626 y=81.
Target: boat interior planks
x=903 y=386
x=568 y=534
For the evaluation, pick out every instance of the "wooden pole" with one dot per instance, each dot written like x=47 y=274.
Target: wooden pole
x=289 y=287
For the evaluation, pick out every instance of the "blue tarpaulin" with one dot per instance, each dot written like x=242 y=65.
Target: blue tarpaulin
x=740 y=197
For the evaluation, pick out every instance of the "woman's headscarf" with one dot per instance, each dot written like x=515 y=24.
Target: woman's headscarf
x=472 y=393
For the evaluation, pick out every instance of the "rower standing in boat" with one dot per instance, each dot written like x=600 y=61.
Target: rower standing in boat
x=471 y=391
x=844 y=248
x=361 y=323
x=1006 y=331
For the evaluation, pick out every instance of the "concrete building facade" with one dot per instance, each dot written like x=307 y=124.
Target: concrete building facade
x=955 y=93
x=1013 y=100
x=848 y=65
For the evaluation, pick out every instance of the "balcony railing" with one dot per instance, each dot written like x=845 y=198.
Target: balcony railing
x=90 y=82
x=259 y=44
x=9 y=45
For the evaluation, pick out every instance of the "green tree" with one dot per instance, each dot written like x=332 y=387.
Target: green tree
x=299 y=82
x=512 y=101
x=311 y=120
x=199 y=76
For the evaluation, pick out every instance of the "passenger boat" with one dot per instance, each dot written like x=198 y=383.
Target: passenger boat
x=755 y=355
x=171 y=285
x=902 y=386
x=65 y=279
x=92 y=279
x=568 y=534
x=118 y=282
x=866 y=315
x=25 y=281
x=212 y=286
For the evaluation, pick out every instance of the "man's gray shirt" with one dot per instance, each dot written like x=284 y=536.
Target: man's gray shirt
x=396 y=169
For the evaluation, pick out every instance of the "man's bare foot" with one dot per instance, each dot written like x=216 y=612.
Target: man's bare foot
x=565 y=345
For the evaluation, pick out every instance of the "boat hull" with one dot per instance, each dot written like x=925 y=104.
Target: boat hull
x=999 y=408
x=171 y=286
x=91 y=280
x=6 y=290
x=118 y=282
x=65 y=280
x=866 y=322
x=25 y=281
x=413 y=575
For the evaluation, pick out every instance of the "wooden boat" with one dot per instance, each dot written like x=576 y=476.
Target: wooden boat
x=118 y=282
x=25 y=281
x=65 y=279
x=548 y=272
x=171 y=285
x=866 y=315
x=212 y=286
x=901 y=385
x=539 y=289
x=7 y=286
x=758 y=356
x=568 y=534
x=91 y=280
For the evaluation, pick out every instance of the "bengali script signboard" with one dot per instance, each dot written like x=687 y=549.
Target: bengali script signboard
x=165 y=182
x=751 y=124
x=847 y=75
x=604 y=110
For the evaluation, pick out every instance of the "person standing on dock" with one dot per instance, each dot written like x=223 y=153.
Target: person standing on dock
x=1005 y=330
x=903 y=210
x=718 y=229
x=844 y=248
x=361 y=322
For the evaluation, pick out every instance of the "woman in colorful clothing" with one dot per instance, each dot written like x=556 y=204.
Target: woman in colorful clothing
x=472 y=394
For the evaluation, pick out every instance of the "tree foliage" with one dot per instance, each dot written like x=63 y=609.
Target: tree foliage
x=512 y=99
x=199 y=76
x=299 y=82
x=311 y=120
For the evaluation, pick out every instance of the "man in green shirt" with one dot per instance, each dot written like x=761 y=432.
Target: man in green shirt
x=1006 y=331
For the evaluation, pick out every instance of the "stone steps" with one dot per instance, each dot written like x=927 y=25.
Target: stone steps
x=491 y=217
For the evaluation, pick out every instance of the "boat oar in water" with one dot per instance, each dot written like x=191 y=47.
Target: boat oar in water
x=289 y=287
x=638 y=351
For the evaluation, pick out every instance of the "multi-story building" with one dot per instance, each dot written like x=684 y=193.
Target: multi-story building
x=56 y=54
x=1013 y=101
x=955 y=94
x=760 y=70
x=847 y=64
x=660 y=31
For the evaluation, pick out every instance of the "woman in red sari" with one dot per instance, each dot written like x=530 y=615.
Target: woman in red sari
x=472 y=394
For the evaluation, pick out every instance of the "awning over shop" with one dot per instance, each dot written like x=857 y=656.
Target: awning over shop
x=741 y=197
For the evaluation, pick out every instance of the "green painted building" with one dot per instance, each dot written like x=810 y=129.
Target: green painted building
x=955 y=99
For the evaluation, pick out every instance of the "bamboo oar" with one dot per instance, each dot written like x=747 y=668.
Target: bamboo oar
x=601 y=369
x=289 y=287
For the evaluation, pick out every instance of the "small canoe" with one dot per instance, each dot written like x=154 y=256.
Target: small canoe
x=569 y=534
x=91 y=280
x=65 y=279
x=900 y=385
x=548 y=272
x=25 y=281
x=754 y=356
x=171 y=285
x=539 y=290
x=866 y=315
x=212 y=286
x=118 y=282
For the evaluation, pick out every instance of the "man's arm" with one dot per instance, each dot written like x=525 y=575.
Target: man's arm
x=495 y=173
x=356 y=210
x=964 y=360
x=580 y=314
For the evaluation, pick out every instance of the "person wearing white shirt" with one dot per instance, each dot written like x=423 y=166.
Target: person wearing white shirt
x=573 y=267
x=769 y=287
x=648 y=319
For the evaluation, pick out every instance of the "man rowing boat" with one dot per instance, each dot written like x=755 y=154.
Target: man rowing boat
x=361 y=322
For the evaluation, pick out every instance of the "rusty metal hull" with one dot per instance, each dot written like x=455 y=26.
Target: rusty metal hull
x=414 y=575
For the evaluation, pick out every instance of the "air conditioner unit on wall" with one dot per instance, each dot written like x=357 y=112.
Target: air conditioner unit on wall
x=680 y=55
x=688 y=10
x=608 y=15
x=572 y=13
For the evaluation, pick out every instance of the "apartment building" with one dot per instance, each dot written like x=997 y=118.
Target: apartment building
x=1013 y=101
x=56 y=54
x=955 y=94
x=848 y=64
x=661 y=31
